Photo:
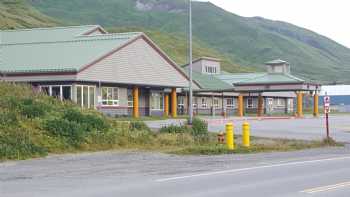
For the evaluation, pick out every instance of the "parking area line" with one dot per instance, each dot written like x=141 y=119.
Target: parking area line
x=251 y=168
x=326 y=188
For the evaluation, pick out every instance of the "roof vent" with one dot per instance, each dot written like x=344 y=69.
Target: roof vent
x=278 y=66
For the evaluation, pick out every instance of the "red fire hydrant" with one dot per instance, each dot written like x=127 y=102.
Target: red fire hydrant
x=221 y=138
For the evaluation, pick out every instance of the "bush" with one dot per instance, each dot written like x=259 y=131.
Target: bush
x=32 y=109
x=15 y=143
x=175 y=129
x=138 y=126
x=91 y=121
x=73 y=132
x=8 y=119
x=199 y=127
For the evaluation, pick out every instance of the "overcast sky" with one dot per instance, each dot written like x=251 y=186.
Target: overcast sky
x=327 y=17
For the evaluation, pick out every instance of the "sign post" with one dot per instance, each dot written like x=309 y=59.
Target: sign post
x=327 y=109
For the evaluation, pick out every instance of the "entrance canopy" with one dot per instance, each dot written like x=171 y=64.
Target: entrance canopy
x=268 y=82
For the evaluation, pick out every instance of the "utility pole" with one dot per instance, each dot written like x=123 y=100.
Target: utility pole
x=190 y=107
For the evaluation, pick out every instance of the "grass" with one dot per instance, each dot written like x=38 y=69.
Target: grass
x=19 y=14
x=149 y=118
x=258 y=145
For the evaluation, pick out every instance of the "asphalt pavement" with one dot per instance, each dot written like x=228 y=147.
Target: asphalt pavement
x=317 y=172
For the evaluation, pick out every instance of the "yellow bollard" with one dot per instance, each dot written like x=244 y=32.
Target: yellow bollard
x=246 y=134
x=230 y=136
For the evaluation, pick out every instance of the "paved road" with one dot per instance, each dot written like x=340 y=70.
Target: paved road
x=318 y=172
x=308 y=128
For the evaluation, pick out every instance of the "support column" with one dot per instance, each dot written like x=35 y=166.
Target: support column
x=173 y=103
x=300 y=113
x=316 y=112
x=260 y=105
x=135 y=95
x=166 y=105
x=240 y=106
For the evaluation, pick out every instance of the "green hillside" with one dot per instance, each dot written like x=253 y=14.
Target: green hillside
x=246 y=41
x=175 y=45
x=18 y=14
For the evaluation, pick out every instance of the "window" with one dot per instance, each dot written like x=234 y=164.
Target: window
x=157 y=101
x=230 y=103
x=46 y=90
x=181 y=101
x=216 y=103
x=250 y=103
x=86 y=96
x=56 y=91
x=110 y=96
x=62 y=92
x=130 y=98
x=204 y=103
x=66 y=92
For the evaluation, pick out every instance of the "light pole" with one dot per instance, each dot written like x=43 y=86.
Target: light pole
x=190 y=107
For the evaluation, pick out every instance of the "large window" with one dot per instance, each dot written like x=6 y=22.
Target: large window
x=62 y=92
x=130 y=98
x=250 y=103
x=181 y=101
x=204 y=103
x=230 y=103
x=216 y=103
x=110 y=96
x=157 y=100
x=85 y=96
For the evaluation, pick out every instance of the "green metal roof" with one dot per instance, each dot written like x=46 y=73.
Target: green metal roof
x=51 y=34
x=68 y=52
x=233 y=78
x=209 y=82
x=259 y=78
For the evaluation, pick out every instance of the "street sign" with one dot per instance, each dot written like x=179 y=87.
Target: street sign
x=326 y=101
x=327 y=110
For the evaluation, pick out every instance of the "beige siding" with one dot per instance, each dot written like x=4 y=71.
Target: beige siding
x=137 y=63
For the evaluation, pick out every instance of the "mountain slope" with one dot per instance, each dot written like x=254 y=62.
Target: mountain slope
x=19 y=14
x=246 y=41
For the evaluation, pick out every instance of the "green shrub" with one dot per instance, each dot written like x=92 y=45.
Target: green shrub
x=15 y=143
x=138 y=126
x=199 y=127
x=73 y=132
x=91 y=121
x=175 y=129
x=33 y=109
x=8 y=119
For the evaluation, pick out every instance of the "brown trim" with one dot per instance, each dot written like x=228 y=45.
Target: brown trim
x=94 y=30
x=167 y=58
x=39 y=74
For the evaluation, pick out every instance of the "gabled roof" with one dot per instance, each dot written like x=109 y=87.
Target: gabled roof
x=50 y=34
x=209 y=82
x=71 y=54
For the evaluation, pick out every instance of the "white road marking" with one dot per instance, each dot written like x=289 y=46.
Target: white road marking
x=326 y=188
x=251 y=168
